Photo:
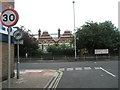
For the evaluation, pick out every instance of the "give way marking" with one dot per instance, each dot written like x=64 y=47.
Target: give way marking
x=105 y=71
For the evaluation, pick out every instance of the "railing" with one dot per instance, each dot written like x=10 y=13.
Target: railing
x=69 y=58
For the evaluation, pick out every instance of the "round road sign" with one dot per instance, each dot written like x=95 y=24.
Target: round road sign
x=18 y=35
x=9 y=17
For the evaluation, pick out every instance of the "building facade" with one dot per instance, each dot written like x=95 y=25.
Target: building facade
x=45 y=39
x=5 y=4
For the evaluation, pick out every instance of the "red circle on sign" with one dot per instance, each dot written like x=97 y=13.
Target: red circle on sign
x=15 y=21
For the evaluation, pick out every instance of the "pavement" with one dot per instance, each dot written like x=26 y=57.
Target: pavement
x=35 y=79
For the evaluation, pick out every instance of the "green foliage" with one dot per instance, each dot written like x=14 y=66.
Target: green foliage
x=98 y=36
x=61 y=50
x=30 y=46
x=38 y=53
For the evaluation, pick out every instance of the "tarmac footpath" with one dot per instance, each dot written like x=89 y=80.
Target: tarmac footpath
x=44 y=79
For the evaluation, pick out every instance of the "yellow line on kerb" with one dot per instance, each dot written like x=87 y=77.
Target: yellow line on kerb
x=55 y=82
x=58 y=79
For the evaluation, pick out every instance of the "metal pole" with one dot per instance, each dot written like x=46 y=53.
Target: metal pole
x=18 y=61
x=74 y=29
x=9 y=42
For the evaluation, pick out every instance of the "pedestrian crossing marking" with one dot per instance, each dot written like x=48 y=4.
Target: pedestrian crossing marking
x=87 y=68
x=69 y=69
x=78 y=68
x=62 y=69
x=97 y=68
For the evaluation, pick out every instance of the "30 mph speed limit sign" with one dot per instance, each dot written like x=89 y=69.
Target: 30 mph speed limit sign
x=9 y=17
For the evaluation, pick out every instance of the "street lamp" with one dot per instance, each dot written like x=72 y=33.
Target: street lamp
x=74 y=29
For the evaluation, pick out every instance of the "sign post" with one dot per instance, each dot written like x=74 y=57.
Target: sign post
x=18 y=35
x=18 y=62
x=9 y=54
x=9 y=18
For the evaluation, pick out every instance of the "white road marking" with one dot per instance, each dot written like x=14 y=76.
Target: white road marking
x=97 y=68
x=69 y=69
x=78 y=68
x=21 y=71
x=107 y=72
x=87 y=68
x=33 y=70
x=62 y=69
x=25 y=71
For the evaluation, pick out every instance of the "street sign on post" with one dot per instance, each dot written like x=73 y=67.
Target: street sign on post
x=18 y=35
x=9 y=18
x=18 y=39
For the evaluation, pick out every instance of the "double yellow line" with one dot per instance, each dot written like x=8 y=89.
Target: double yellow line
x=55 y=82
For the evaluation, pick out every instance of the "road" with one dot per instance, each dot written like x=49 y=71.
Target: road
x=84 y=74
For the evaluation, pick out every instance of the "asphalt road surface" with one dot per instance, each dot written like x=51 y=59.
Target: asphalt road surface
x=84 y=74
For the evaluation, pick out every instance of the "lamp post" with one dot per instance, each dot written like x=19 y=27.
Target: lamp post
x=74 y=28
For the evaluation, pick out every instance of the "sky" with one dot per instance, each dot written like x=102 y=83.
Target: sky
x=49 y=15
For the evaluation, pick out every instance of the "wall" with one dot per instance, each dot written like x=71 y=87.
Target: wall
x=4 y=4
x=4 y=56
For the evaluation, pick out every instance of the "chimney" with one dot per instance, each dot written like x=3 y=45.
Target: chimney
x=39 y=33
x=59 y=32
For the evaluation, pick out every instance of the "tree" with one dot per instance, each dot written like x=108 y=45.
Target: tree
x=98 y=36
x=30 y=45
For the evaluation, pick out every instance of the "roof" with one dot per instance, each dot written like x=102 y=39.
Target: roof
x=45 y=35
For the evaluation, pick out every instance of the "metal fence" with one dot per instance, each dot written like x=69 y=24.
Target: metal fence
x=70 y=58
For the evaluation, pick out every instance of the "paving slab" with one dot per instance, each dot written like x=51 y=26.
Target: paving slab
x=32 y=79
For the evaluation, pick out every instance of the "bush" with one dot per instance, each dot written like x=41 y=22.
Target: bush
x=60 y=50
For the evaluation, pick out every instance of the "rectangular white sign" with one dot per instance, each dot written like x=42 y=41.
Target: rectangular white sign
x=101 y=51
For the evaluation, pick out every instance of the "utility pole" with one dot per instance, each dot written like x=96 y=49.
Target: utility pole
x=74 y=29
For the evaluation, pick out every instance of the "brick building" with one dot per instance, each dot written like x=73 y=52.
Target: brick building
x=5 y=4
x=45 y=39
